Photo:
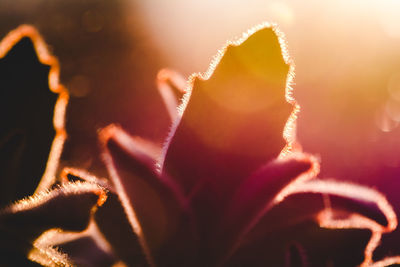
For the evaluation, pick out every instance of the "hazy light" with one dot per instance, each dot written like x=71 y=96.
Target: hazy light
x=383 y=120
x=389 y=17
x=281 y=11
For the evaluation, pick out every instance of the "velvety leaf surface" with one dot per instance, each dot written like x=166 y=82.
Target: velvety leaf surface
x=26 y=119
x=112 y=221
x=68 y=207
x=114 y=225
x=233 y=121
x=85 y=248
x=251 y=201
x=154 y=205
x=85 y=252
x=302 y=211
x=231 y=125
x=258 y=190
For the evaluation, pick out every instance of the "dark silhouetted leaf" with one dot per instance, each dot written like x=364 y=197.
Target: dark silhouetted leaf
x=67 y=207
x=114 y=225
x=295 y=256
x=26 y=116
x=154 y=205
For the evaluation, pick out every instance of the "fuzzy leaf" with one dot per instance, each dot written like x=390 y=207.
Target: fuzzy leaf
x=86 y=248
x=67 y=207
x=321 y=247
x=85 y=252
x=31 y=98
x=154 y=205
x=172 y=87
x=296 y=218
x=124 y=242
x=233 y=121
x=114 y=225
x=26 y=125
x=252 y=201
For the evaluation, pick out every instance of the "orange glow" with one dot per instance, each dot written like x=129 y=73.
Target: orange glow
x=386 y=262
x=44 y=196
x=46 y=58
x=304 y=177
x=85 y=176
x=45 y=246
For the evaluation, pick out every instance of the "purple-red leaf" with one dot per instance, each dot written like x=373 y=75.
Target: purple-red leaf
x=357 y=214
x=254 y=198
x=154 y=205
x=123 y=240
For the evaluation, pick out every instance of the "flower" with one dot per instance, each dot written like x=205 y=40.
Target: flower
x=230 y=187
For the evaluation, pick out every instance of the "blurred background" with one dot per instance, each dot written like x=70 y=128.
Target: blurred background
x=347 y=56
